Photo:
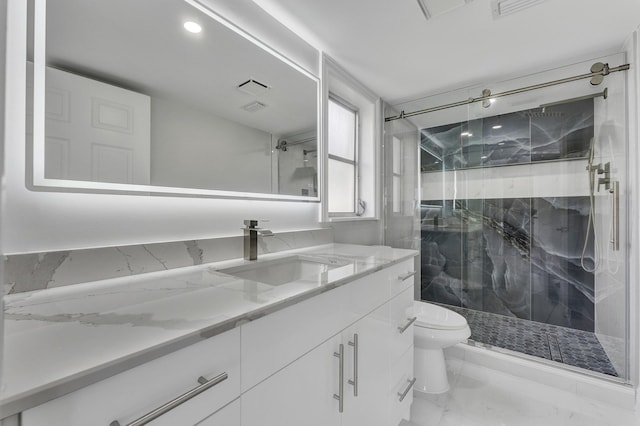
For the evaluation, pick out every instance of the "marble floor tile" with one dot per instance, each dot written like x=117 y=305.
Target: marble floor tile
x=480 y=396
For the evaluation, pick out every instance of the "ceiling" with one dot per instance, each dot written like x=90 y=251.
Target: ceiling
x=142 y=46
x=391 y=48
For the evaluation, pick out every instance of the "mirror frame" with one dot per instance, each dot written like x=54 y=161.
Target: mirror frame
x=35 y=169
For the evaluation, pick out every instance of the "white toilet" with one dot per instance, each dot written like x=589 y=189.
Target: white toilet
x=434 y=329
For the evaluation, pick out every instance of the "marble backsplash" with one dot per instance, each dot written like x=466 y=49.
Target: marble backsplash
x=37 y=271
x=517 y=257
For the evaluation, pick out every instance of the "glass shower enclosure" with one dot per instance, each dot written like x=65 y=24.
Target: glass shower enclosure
x=523 y=217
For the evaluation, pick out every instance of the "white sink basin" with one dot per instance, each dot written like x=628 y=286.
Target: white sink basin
x=283 y=270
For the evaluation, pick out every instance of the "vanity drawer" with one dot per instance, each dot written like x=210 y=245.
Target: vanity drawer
x=401 y=317
x=401 y=276
x=128 y=396
x=401 y=393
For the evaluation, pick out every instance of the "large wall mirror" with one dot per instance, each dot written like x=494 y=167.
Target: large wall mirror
x=164 y=96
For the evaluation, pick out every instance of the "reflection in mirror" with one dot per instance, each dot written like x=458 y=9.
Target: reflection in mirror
x=158 y=93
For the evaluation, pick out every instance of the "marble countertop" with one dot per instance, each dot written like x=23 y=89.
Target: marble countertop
x=62 y=339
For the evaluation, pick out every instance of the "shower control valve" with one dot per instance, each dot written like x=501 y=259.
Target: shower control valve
x=606 y=180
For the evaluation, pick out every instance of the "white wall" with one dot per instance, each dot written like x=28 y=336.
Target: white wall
x=195 y=149
x=3 y=110
x=40 y=221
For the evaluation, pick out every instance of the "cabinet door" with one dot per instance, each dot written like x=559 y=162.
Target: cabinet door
x=228 y=416
x=367 y=366
x=300 y=394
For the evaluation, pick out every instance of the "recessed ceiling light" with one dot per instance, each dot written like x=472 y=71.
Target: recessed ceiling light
x=497 y=126
x=192 y=27
x=483 y=157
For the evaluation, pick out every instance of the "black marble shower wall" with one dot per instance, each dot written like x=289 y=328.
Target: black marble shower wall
x=510 y=256
x=558 y=132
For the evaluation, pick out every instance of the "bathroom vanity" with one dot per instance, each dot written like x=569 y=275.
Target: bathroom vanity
x=319 y=336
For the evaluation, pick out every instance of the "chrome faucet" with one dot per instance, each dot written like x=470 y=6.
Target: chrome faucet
x=251 y=232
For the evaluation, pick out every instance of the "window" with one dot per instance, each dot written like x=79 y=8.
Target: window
x=397 y=175
x=352 y=142
x=343 y=158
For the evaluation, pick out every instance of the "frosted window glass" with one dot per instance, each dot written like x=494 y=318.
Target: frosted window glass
x=341 y=187
x=397 y=156
x=397 y=193
x=342 y=131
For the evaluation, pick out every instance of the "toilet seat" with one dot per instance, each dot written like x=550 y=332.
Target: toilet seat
x=437 y=318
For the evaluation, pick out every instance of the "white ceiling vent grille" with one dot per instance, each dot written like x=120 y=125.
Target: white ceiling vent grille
x=500 y=8
x=432 y=8
x=254 y=106
x=253 y=87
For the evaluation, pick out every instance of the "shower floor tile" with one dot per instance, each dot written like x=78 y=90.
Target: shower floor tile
x=565 y=345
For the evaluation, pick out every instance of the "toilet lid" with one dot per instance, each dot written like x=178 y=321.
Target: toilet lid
x=437 y=317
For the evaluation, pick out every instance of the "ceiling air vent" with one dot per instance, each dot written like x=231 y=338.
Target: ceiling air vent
x=500 y=8
x=433 y=8
x=253 y=87
x=254 y=106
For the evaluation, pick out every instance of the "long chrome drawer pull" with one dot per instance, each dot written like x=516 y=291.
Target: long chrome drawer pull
x=406 y=276
x=406 y=391
x=340 y=395
x=354 y=382
x=152 y=415
x=403 y=328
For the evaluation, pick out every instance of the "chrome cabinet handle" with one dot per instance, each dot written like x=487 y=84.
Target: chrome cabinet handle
x=402 y=395
x=354 y=382
x=340 y=395
x=406 y=276
x=403 y=328
x=152 y=415
x=615 y=240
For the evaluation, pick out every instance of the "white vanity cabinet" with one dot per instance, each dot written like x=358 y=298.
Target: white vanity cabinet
x=300 y=394
x=368 y=354
x=343 y=357
x=227 y=416
x=132 y=394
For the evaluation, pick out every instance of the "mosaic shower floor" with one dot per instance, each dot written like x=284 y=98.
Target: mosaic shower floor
x=565 y=345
